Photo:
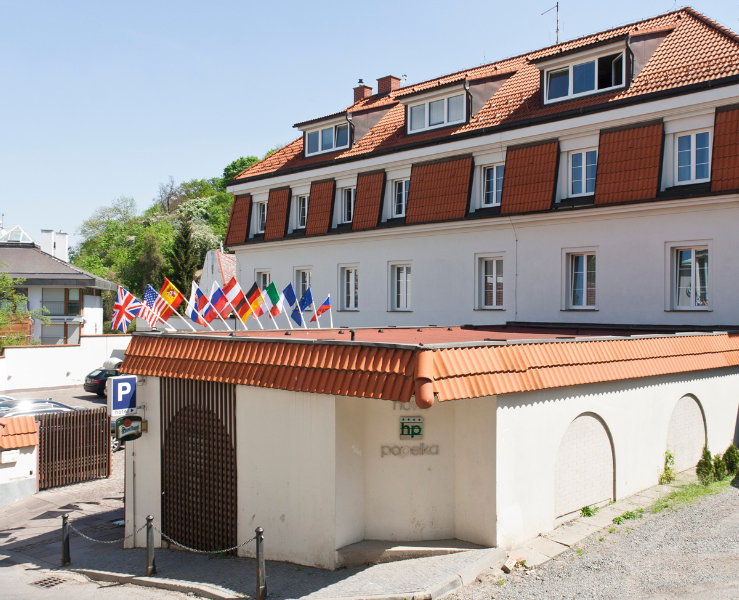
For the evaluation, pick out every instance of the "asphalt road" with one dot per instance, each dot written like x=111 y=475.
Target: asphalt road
x=74 y=396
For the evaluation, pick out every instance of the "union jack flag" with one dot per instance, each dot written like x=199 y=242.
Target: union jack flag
x=126 y=307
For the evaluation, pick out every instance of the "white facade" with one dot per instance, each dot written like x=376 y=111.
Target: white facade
x=320 y=472
x=634 y=244
x=17 y=474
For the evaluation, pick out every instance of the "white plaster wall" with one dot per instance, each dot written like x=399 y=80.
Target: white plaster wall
x=350 y=456
x=475 y=460
x=92 y=313
x=34 y=302
x=23 y=468
x=632 y=273
x=62 y=365
x=143 y=475
x=286 y=473
x=637 y=413
x=409 y=497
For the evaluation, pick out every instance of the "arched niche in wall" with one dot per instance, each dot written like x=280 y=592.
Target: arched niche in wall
x=686 y=433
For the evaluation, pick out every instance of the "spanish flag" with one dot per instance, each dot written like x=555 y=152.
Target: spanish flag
x=171 y=296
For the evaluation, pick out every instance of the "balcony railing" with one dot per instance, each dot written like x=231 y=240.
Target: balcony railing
x=56 y=308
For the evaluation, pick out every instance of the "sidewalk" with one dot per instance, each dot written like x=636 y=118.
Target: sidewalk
x=30 y=534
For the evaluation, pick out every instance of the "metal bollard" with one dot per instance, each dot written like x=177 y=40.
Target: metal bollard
x=151 y=568
x=261 y=575
x=65 y=541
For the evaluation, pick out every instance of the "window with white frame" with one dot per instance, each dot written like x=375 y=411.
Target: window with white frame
x=492 y=185
x=302 y=281
x=327 y=139
x=436 y=113
x=581 y=280
x=349 y=288
x=693 y=157
x=301 y=211
x=582 y=169
x=347 y=204
x=690 y=278
x=263 y=279
x=580 y=78
x=400 y=196
x=260 y=216
x=490 y=278
x=400 y=287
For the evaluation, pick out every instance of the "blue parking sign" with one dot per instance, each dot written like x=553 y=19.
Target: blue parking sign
x=122 y=395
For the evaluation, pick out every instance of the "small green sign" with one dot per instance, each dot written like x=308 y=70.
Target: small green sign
x=411 y=428
x=128 y=428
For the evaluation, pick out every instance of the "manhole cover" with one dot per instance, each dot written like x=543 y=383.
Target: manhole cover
x=48 y=582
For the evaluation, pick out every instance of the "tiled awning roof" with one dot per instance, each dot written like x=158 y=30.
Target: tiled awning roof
x=432 y=372
x=17 y=432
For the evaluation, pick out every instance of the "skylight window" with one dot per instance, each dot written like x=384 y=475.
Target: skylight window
x=327 y=139
x=598 y=74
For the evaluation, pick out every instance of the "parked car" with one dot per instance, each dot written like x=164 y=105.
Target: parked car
x=96 y=381
x=12 y=407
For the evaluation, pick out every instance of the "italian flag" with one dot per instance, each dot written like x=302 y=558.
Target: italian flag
x=272 y=302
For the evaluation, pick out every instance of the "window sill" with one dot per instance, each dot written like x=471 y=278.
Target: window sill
x=400 y=310
x=489 y=308
x=348 y=310
x=579 y=309
x=690 y=309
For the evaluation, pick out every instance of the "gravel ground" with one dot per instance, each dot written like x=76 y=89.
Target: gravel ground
x=691 y=552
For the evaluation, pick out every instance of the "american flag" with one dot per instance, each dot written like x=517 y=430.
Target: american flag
x=148 y=312
x=126 y=307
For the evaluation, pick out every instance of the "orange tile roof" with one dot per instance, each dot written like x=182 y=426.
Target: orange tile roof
x=436 y=371
x=530 y=177
x=227 y=265
x=439 y=191
x=629 y=164
x=278 y=205
x=238 y=224
x=694 y=50
x=18 y=432
x=725 y=167
x=320 y=207
x=368 y=200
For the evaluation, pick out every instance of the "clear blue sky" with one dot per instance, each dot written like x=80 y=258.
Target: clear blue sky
x=103 y=99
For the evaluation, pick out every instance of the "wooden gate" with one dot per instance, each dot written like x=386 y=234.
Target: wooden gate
x=73 y=447
x=199 y=463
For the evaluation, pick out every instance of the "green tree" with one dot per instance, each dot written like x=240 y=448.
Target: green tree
x=184 y=257
x=14 y=311
x=235 y=167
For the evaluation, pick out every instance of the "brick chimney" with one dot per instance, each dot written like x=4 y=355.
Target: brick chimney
x=362 y=91
x=388 y=84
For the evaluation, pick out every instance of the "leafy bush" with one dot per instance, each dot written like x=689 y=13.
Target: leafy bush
x=719 y=468
x=731 y=458
x=588 y=511
x=668 y=473
x=704 y=468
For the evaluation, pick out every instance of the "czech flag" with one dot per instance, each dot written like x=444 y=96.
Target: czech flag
x=323 y=308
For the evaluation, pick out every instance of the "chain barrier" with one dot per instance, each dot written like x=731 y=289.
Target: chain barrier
x=176 y=543
x=115 y=541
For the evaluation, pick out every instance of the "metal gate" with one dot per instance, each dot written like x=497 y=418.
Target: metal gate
x=199 y=463
x=73 y=447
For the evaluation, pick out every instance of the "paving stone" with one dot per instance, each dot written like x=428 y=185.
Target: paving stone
x=571 y=533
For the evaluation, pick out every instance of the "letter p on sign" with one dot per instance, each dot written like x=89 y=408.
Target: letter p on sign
x=122 y=396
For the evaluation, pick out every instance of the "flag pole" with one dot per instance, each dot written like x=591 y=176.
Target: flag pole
x=217 y=313
x=330 y=314
x=174 y=310
x=269 y=312
x=315 y=312
x=238 y=318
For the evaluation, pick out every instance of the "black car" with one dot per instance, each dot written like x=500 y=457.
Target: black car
x=96 y=381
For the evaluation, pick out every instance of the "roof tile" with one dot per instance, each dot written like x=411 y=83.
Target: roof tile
x=320 y=207
x=530 y=177
x=725 y=167
x=278 y=204
x=238 y=224
x=368 y=200
x=18 y=432
x=439 y=191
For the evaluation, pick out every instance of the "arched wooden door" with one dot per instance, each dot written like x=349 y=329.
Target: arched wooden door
x=199 y=463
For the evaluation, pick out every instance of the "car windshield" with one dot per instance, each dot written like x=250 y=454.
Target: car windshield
x=95 y=373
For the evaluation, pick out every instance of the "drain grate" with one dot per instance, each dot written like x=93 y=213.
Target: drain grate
x=48 y=582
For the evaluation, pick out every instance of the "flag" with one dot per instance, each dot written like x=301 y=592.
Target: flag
x=170 y=299
x=297 y=317
x=235 y=296
x=219 y=301
x=272 y=300
x=254 y=297
x=147 y=311
x=323 y=308
x=289 y=294
x=204 y=308
x=306 y=300
x=192 y=306
x=126 y=307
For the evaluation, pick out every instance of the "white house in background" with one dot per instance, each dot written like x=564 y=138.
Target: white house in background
x=590 y=182
x=218 y=267
x=71 y=295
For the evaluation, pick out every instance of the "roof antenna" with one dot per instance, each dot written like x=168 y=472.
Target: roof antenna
x=555 y=7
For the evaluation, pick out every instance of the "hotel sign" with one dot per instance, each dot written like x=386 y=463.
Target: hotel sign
x=411 y=428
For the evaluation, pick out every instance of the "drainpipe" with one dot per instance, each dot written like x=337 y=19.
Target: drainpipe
x=424 y=380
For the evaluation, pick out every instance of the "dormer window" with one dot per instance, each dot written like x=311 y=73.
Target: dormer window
x=436 y=112
x=327 y=139
x=584 y=75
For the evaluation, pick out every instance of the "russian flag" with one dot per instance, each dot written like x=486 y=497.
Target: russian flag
x=203 y=306
x=219 y=301
x=323 y=308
